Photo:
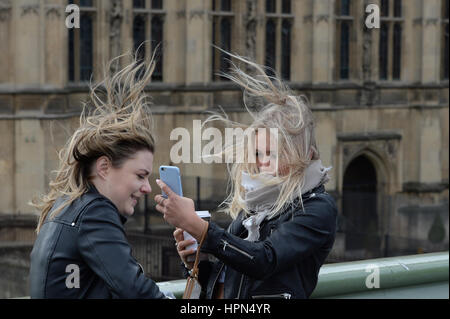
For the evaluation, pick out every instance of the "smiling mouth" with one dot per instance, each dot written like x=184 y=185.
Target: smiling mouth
x=135 y=198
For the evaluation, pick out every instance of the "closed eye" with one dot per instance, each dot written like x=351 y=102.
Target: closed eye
x=142 y=173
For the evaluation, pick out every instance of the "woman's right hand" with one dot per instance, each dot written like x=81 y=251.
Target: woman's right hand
x=181 y=247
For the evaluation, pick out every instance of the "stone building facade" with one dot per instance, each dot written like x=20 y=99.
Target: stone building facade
x=379 y=96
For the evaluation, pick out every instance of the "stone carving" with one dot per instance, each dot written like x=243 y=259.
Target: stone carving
x=181 y=14
x=196 y=14
x=433 y=21
x=426 y=22
x=115 y=22
x=5 y=10
x=367 y=94
x=30 y=8
x=322 y=17
x=417 y=21
x=308 y=18
x=367 y=53
x=319 y=18
x=250 y=21
x=53 y=10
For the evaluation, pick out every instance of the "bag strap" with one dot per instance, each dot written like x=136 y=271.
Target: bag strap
x=194 y=272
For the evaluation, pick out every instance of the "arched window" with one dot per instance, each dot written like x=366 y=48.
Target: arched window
x=222 y=28
x=86 y=47
x=344 y=60
x=383 y=51
x=345 y=8
x=139 y=4
x=390 y=41
x=286 y=6
x=81 y=43
x=271 y=41
x=278 y=37
x=344 y=29
x=225 y=43
x=148 y=24
x=286 y=27
x=157 y=39
x=139 y=35
x=271 y=6
x=397 y=54
x=157 y=4
x=397 y=8
x=384 y=8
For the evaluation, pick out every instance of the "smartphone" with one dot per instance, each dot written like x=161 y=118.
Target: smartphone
x=170 y=175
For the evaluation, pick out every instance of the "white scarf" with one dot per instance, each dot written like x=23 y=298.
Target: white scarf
x=261 y=198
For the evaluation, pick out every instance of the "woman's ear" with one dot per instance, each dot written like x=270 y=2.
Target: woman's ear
x=102 y=166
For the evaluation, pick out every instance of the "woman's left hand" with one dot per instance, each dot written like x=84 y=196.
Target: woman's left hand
x=179 y=211
x=181 y=247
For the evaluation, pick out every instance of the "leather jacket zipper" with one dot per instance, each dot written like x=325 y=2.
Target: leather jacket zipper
x=240 y=287
x=227 y=244
x=217 y=277
x=275 y=296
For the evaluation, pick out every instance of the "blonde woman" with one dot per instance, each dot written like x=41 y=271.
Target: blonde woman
x=283 y=220
x=81 y=250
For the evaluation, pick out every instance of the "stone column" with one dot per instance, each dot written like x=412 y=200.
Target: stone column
x=429 y=126
x=56 y=44
x=251 y=25
x=7 y=168
x=27 y=46
x=198 y=53
x=411 y=45
x=126 y=32
x=116 y=17
x=174 y=39
x=29 y=71
x=430 y=146
x=430 y=41
x=6 y=126
x=29 y=164
x=366 y=55
x=101 y=36
x=322 y=41
x=6 y=41
x=300 y=70
x=303 y=9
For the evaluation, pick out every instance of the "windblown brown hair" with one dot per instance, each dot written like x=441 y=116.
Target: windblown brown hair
x=115 y=122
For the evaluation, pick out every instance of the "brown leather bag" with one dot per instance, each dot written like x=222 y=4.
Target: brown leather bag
x=193 y=288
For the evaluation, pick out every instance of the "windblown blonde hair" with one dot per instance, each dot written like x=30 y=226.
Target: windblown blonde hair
x=272 y=105
x=115 y=122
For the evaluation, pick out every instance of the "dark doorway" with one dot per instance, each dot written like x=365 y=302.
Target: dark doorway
x=359 y=208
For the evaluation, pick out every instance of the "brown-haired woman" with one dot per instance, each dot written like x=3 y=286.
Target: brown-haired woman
x=81 y=250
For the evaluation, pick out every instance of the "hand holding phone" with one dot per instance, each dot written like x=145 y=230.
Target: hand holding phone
x=178 y=211
x=170 y=175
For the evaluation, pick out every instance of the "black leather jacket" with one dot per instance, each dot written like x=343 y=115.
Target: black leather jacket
x=83 y=253
x=284 y=263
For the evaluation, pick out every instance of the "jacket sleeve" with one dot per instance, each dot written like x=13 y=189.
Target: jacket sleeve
x=105 y=249
x=291 y=242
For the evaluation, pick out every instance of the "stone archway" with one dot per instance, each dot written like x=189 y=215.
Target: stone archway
x=380 y=152
x=360 y=209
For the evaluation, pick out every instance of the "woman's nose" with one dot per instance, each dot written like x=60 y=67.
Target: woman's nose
x=146 y=188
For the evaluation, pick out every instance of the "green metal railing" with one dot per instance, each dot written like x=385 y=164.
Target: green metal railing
x=414 y=276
